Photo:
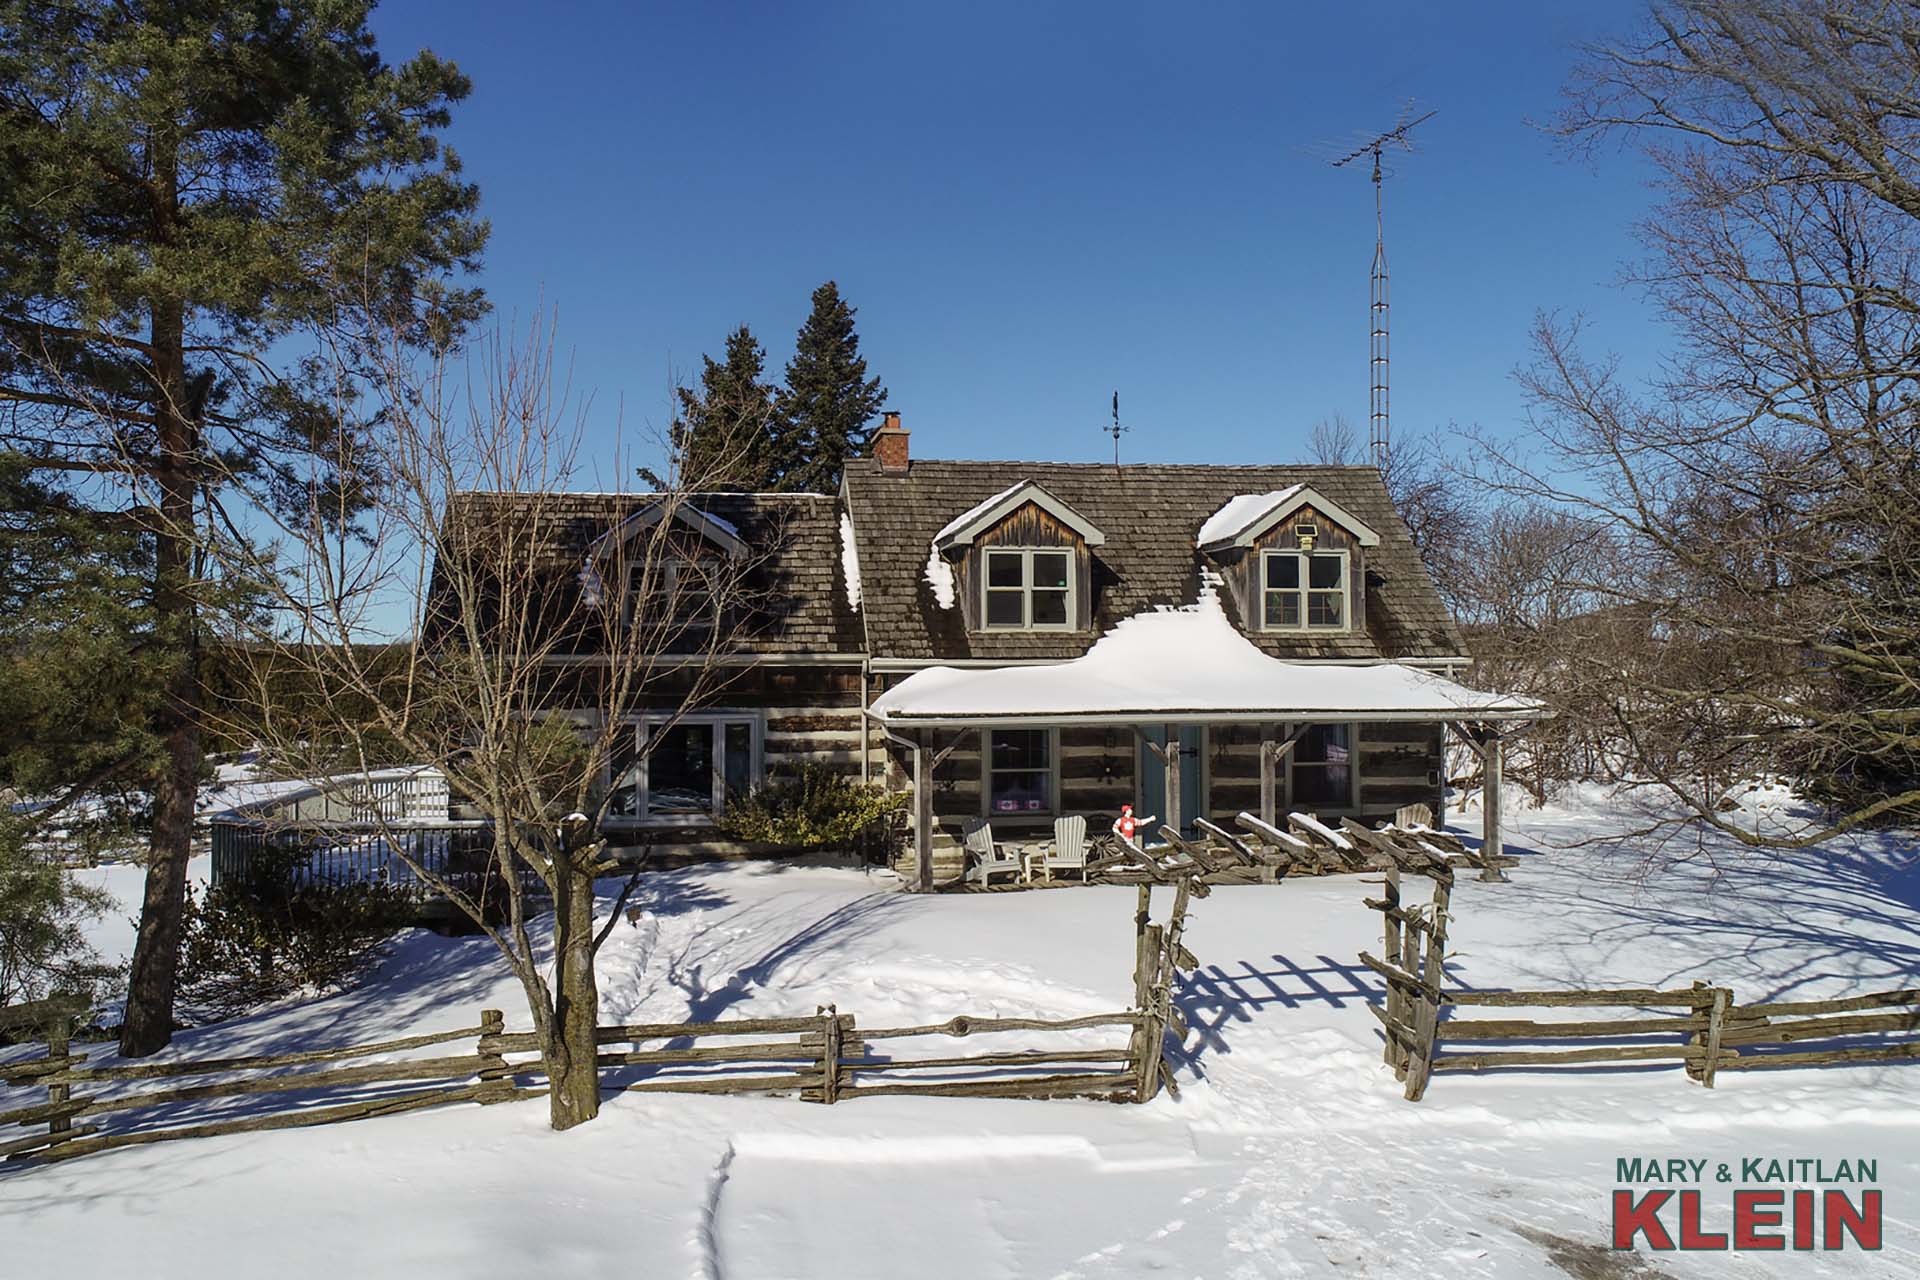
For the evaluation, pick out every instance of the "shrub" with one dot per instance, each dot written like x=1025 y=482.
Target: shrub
x=272 y=933
x=43 y=944
x=814 y=808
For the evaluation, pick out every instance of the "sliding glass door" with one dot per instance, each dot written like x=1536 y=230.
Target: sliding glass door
x=683 y=771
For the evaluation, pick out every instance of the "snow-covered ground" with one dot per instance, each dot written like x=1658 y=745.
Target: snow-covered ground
x=1290 y=1151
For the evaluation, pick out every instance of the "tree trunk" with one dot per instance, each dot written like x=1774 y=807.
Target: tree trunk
x=572 y=1070
x=156 y=953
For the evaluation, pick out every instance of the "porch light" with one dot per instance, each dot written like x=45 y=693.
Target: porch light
x=1306 y=532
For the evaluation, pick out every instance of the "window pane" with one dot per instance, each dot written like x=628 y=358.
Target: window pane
x=1049 y=608
x=623 y=800
x=1283 y=571
x=1024 y=791
x=1326 y=571
x=1006 y=608
x=1326 y=608
x=1323 y=766
x=1018 y=748
x=1005 y=569
x=1283 y=609
x=1019 y=771
x=1323 y=744
x=739 y=759
x=680 y=770
x=1315 y=784
x=1049 y=569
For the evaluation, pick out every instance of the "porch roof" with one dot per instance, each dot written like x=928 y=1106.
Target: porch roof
x=1185 y=665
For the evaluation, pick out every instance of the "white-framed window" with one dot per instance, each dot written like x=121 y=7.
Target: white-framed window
x=1321 y=770
x=1028 y=589
x=683 y=585
x=1020 y=772
x=683 y=770
x=1304 y=591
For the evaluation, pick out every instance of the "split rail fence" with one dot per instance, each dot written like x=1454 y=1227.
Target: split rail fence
x=826 y=1057
x=1703 y=1027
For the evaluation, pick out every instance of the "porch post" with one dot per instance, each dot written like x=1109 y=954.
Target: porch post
x=1492 y=844
x=1269 y=771
x=922 y=814
x=1172 y=758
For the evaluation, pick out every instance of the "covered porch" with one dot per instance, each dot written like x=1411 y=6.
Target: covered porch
x=1173 y=711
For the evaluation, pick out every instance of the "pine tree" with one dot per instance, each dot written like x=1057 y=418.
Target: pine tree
x=829 y=399
x=215 y=218
x=726 y=435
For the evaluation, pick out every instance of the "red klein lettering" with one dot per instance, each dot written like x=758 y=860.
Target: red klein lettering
x=1803 y=1220
x=1863 y=1224
x=1630 y=1219
x=1691 y=1236
x=1753 y=1210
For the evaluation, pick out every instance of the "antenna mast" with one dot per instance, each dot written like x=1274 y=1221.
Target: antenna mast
x=1378 y=430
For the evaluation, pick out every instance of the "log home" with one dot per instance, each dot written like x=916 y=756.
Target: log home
x=1015 y=641
x=1141 y=591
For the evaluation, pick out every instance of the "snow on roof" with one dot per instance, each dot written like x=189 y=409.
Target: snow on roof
x=1248 y=515
x=849 y=561
x=975 y=511
x=713 y=528
x=1242 y=510
x=939 y=576
x=725 y=526
x=1189 y=663
x=969 y=523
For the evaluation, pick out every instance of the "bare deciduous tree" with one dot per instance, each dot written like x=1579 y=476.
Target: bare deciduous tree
x=541 y=632
x=1760 y=495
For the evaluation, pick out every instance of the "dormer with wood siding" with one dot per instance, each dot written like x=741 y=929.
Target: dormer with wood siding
x=1293 y=560
x=1022 y=562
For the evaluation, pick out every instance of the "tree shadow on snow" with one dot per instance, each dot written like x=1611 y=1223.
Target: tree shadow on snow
x=1214 y=998
x=1770 y=924
x=708 y=996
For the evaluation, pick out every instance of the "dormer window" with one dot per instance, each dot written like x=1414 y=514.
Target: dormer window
x=679 y=590
x=1028 y=589
x=1303 y=591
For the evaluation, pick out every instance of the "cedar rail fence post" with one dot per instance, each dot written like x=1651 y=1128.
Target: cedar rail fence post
x=495 y=1074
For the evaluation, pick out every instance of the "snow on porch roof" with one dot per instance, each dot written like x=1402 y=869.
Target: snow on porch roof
x=1187 y=664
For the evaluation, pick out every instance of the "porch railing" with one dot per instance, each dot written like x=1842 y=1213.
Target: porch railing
x=354 y=852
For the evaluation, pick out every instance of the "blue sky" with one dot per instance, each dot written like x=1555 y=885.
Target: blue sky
x=1033 y=205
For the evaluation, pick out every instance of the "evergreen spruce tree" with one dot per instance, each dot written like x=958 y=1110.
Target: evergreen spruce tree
x=829 y=399
x=216 y=216
x=727 y=433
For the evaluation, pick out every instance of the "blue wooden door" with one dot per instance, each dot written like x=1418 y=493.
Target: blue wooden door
x=1153 y=776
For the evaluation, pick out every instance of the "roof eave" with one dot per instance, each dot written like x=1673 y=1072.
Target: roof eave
x=1017 y=497
x=1306 y=496
x=1270 y=715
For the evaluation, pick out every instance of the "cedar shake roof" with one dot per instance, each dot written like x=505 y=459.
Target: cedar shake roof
x=794 y=539
x=1151 y=515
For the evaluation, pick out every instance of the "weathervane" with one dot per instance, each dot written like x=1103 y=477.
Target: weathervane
x=1116 y=430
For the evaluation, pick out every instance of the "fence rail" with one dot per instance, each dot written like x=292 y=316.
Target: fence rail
x=1702 y=1027
x=826 y=1057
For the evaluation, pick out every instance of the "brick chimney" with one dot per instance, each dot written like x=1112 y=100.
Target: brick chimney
x=890 y=446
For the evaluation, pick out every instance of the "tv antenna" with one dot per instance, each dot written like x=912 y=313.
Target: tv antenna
x=1116 y=430
x=1377 y=418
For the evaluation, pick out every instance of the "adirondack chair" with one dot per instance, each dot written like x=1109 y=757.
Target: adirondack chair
x=1067 y=850
x=985 y=857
